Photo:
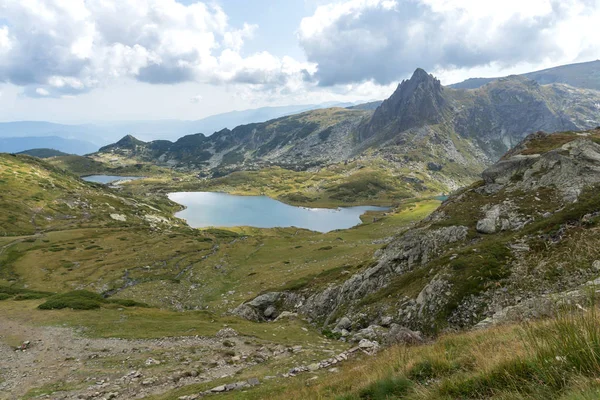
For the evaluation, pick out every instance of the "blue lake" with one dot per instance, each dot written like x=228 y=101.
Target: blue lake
x=206 y=209
x=106 y=179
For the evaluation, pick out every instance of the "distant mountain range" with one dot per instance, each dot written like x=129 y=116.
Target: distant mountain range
x=69 y=146
x=105 y=133
x=423 y=126
x=582 y=75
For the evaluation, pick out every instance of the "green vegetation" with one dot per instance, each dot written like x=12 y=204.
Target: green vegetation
x=83 y=300
x=554 y=359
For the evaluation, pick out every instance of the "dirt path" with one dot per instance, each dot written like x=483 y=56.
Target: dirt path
x=66 y=365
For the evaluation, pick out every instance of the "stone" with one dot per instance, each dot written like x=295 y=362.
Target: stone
x=401 y=335
x=314 y=367
x=286 y=315
x=269 y=311
x=226 y=333
x=218 y=389
x=367 y=344
x=343 y=323
x=253 y=382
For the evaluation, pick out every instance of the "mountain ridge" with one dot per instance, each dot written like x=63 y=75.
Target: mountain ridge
x=584 y=75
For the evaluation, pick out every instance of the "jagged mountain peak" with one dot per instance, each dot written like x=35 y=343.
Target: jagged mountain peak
x=416 y=102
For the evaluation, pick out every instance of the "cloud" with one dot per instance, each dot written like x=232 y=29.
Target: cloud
x=384 y=40
x=68 y=47
x=196 y=99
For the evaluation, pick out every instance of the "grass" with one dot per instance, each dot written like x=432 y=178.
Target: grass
x=552 y=359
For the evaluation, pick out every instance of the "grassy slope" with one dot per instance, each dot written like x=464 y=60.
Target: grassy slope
x=556 y=359
x=82 y=165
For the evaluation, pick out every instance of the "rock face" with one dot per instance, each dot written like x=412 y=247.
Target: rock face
x=416 y=102
x=487 y=252
x=570 y=168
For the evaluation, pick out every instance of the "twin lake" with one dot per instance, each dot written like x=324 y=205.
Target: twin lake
x=210 y=209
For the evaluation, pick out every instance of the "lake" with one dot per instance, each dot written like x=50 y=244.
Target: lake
x=106 y=179
x=206 y=209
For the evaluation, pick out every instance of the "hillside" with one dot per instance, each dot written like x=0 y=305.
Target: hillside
x=43 y=153
x=38 y=197
x=581 y=75
x=491 y=253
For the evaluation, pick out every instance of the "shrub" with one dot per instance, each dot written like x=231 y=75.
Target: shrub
x=388 y=388
x=76 y=300
x=4 y=296
x=31 y=296
x=84 y=300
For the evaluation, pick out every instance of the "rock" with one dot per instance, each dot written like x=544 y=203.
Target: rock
x=434 y=166
x=314 y=367
x=253 y=382
x=296 y=349
x=372 y=332
x=386 y=321
x=151 y=361
x=119 y=217
x=401 y=335
x=596 y=265
x=286 y=315
x=269 y=311
x=489 y=223
x=218 y=389
x=367 y=344
x=343 y=323
x=226 y=333
x=247 y=312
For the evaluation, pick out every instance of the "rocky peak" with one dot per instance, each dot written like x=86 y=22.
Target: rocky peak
x=129 y=141
x=416 y=102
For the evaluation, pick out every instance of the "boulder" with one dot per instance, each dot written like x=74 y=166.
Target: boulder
x=401 y=335
x=343 y=323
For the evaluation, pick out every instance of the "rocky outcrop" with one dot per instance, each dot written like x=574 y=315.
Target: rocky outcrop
x=570 y=168
x=416 y=102
x=501 y=217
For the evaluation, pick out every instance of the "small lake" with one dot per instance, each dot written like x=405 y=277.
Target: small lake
x=205 y=209
x=106 y=179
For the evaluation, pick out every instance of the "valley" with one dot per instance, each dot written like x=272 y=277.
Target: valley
x=487 y=223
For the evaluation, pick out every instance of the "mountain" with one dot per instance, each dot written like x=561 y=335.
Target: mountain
x=69 y=146
x=43 y=153
x=508 y=246
x=450 y=135
x=581 y=75
x=107 y=132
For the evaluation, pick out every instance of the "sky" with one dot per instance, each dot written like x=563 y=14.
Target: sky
x=77 y=61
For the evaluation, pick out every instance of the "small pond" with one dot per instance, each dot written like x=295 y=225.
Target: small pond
x=204 y=209
x=107 y=179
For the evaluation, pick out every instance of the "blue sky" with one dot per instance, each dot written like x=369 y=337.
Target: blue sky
x=101 y=60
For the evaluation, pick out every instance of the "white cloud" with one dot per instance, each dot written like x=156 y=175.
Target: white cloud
x=73 y=46
x=42 y=92
x=196 y=99
x=384 y=40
